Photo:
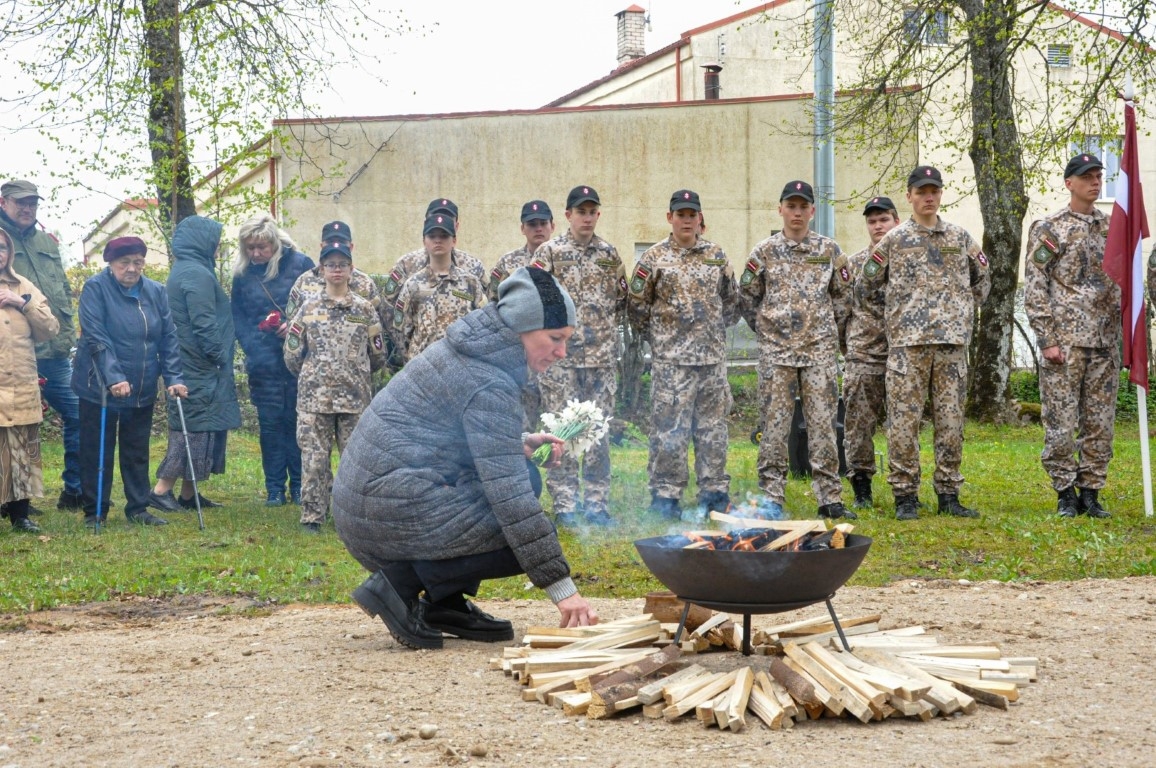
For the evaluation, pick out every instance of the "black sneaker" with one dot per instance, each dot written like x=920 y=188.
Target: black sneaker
x=165 y=502
x=471 y=624
x=191 y=503
x=70 y=501
x=906 y=507
x=406 y=622
x=144 y=517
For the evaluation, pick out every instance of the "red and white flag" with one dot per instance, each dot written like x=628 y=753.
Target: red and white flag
x=1123 y=254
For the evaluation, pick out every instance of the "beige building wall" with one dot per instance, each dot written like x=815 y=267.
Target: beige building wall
x=736 y=154
x=132 y=218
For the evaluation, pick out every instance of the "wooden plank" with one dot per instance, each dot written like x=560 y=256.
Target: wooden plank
x=852 y=700
x=739 y=696
x=982 y=696
x=757 y=522
x=704 y=712
x=814 y=628
x=706 y=693
x=575 y=703
x=776 y=691
x=896 y=684
x=945 y=697
x=797 y=686
x=786 y=539
x=652 y=692
x=1008 y=691
x=673 y=693
x=640 y=635
x=832 y=636
x=827 y=700
x=965 y=651
x=850 y=677
x=767 y=709
x=654 y=711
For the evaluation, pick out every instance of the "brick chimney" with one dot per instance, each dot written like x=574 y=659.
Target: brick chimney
x=631 y=26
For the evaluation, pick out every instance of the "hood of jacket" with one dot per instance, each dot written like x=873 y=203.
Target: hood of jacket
x=8 y=273
x=482 y=335
x=196 y=239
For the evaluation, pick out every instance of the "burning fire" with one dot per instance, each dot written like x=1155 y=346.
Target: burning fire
x=742 y=540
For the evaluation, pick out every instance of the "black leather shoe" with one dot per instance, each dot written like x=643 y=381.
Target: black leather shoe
x=144 y=517
x=70 y=501
x=163 y=501
x=406 y=623
x=24 y=525
x=191 y=503
x=470 y=624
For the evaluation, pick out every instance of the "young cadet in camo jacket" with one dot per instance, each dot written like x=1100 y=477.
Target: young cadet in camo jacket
x=437 y=294
x=796 y=295
x=683 y=295
x=333 y=346
x=415 y=260
x=864 y=380
x=1074 y=308
x=935 y=277
x=590 y=270
x=312 y=282
x=537 y=227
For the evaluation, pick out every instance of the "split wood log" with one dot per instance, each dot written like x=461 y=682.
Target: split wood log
x=740 y=694
x=776 y=691
x=1014 y=678
x=945 y=697
x=896 y=684
x=767 y=709
x=654 y=711
x=719 y=707
x=755 y=522
x=681 y=706
x=921 y=709
x=694 y=644
x=832 y=636
x=832 y=662
x=786 y=539
x=667 y=608
x=827 y=701
x=964 y=652
x=824 y=624
x=562 y=660
x=673 y=693
x=704 y=712
x=634 y=672
x=1009 y=691
x=575 y=703
x=799 y=688
x=652 y=692
x=851 y=700
x=982 y=696
x=714 y=621
x=643 y=634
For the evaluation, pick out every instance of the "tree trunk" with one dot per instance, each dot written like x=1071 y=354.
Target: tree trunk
x=172 y=174
x=997 y=157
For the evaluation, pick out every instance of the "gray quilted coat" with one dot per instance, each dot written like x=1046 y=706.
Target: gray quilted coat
x=435 y=469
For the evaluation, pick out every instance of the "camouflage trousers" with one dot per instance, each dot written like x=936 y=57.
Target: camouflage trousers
x=316 y=434
x=688 y=402
x=1078 y=411
x=559 y=385
x=818 y=387
x=912 y=374
x=865 y=397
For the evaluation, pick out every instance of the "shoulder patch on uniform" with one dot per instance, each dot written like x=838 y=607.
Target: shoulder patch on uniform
x=845 y=274
x=874 y=265
x=498 y=275
x=539 y=264
x=752 y=268
x=293 y=340
x=638 y=280
x=622 y=283
x=981 y=259
x=394 y=281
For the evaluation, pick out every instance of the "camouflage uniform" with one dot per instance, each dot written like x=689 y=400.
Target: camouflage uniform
x=864 y=379
x=796 y=296
x=927 y=283
x=1073 y=304
x=411 y=263
x=685 y=299
x=333 y=345
x=531 y=394
x=596 y=280
x=312 y=283
x=429 y=303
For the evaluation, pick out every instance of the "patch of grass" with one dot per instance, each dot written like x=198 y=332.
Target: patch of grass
x=252 y=551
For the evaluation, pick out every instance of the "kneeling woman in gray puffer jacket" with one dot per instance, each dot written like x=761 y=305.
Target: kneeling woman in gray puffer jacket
x=432 y=493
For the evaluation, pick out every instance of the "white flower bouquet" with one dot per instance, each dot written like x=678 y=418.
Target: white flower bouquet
x=580 y=424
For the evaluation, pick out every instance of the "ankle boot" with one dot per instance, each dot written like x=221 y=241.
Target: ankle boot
x=949 y=505
x=1067 y=505
x=861 y=485
x=907 y=507
x=1089 y=504
x=18 y=514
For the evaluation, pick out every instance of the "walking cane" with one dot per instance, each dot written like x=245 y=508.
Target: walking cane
x=189 y=459
x=100 y=472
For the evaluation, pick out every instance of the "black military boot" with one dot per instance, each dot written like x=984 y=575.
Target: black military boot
x=1090 y=504
x=1068 y=505
x=835 y=511
x=714 y=501
x=949 y=505
x=907 y=507
x=668 y=508
x=861 y=485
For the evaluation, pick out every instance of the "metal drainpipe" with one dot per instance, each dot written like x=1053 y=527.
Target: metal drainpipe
x=824 y=222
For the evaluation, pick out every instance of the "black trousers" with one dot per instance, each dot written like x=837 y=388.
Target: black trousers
x=131 y=428
x=443 y=579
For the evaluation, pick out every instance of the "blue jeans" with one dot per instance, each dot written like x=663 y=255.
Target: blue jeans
x=275 y=399
x=58 y=392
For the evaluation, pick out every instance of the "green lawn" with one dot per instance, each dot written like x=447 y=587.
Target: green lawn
x=247 y=549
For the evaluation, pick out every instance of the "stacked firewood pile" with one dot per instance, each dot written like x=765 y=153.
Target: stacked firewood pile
x=632 y=665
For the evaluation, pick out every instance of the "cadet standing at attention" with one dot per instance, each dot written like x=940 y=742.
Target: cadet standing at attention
x=590 y=270
x=415 y=260
x=333 y=345
x=796 y=294
x=935 y=277
x=537 y=227
x=312 y=283
x=1074 y=309
x=437 y=294
x=683 y=297
x=864 y=380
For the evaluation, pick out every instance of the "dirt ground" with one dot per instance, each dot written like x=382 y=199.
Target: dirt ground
x=196 y=683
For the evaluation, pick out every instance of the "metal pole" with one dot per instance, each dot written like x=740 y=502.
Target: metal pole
x=824 y=150
x=1145 y=458
x=189 y=459
x=100 y=457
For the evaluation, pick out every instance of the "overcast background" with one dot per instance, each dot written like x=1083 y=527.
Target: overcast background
x=463 y=55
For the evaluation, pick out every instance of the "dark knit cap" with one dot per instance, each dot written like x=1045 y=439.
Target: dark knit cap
x=530 y=299
x=124 y=246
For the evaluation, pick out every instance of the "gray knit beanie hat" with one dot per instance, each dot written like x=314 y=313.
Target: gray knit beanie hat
x=530 y=299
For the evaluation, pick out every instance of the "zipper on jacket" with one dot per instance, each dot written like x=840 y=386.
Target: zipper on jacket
x=144 y=350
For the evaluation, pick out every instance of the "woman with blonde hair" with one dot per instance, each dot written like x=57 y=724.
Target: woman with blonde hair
x=267 y=265
x=28 y=321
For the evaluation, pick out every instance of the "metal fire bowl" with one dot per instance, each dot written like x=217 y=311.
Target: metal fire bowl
x=751 y=582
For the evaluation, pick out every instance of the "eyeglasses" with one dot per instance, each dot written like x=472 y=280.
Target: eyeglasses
x=337 y=266
x=27 y=202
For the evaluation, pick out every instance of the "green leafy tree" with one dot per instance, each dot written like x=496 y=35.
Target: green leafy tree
x=1015 y=85
x=151 y=86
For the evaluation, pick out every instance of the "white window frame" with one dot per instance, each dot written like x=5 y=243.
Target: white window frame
x=926 y=27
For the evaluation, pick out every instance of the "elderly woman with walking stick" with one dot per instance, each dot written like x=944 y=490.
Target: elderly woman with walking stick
x=127 y=342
